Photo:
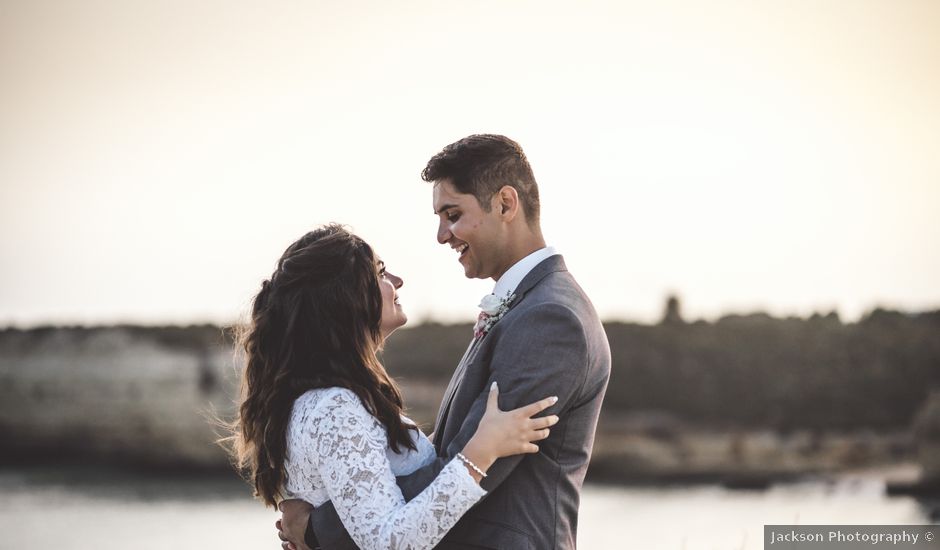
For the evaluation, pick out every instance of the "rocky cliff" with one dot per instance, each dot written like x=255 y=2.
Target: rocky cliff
x=124 y=393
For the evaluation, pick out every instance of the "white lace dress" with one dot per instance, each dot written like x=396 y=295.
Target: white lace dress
x=337 y=451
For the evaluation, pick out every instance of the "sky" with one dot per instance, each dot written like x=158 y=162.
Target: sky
x=157 y=157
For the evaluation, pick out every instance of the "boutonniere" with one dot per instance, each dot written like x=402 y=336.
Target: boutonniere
x=492 y=309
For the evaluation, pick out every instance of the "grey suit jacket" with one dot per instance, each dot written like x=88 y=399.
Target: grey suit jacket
x=550 y=342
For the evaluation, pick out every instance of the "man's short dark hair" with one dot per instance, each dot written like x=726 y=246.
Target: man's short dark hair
x=480 y=165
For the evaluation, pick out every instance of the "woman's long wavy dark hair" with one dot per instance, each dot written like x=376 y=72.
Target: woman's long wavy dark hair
x=314 y=324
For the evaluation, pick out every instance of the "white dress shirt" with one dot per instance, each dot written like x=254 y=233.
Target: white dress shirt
x=506 y=285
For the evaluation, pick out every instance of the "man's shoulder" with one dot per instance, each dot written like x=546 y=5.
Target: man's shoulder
x=557 y=289
x=557 y=300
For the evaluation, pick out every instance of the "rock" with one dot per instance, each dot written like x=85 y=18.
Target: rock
x=114 y=393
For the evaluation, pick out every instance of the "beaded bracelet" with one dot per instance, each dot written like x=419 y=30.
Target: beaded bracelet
x=472 y=466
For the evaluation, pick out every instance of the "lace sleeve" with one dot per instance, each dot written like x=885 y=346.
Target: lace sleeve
x=350 y=450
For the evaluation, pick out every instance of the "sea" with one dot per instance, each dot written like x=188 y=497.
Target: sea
x=71 y=508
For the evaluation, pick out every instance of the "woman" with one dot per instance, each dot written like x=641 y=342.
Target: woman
x=322 y=420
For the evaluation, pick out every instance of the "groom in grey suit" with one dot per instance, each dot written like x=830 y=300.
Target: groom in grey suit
x=540 y=336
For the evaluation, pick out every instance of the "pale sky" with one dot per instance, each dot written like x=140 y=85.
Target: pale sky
x=157 y=157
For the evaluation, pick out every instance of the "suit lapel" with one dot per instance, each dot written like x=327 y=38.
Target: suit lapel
x=443 y=412
x=549 y=265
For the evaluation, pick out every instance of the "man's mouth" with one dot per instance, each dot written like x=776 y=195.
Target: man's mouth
x=462 y=249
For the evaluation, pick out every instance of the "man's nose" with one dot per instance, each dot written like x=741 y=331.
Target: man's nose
x=443 y=233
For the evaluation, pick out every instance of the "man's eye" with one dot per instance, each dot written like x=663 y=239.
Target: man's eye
x=453 y=216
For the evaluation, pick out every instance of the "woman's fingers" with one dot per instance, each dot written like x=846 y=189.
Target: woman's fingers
x=541 y=434
x=492 y=401
x=543 y=422
x=539 y=406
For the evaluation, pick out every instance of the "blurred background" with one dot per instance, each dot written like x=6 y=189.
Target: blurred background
x=748 y=191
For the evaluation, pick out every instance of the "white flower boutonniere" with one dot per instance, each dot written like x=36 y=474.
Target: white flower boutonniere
x=492 y=310
x=491 y=303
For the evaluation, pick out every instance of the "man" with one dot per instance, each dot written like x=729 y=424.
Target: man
x=539 y=335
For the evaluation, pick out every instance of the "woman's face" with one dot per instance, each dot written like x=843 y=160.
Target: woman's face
x=393 y=316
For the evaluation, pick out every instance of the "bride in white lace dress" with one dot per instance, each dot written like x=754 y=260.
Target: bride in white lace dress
x=321 y=420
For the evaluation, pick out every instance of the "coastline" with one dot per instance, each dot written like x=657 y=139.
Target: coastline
x=143 y=398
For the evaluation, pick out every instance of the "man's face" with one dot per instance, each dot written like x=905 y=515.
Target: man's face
x=478 y=237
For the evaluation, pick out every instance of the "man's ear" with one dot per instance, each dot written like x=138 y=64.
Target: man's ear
x=508 y=202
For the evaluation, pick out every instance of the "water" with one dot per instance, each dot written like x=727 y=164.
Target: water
x=72 y=509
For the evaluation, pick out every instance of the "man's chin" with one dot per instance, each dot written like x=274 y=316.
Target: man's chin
x=471 y=272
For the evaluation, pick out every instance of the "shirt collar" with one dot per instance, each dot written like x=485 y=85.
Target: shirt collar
x=507 y=284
